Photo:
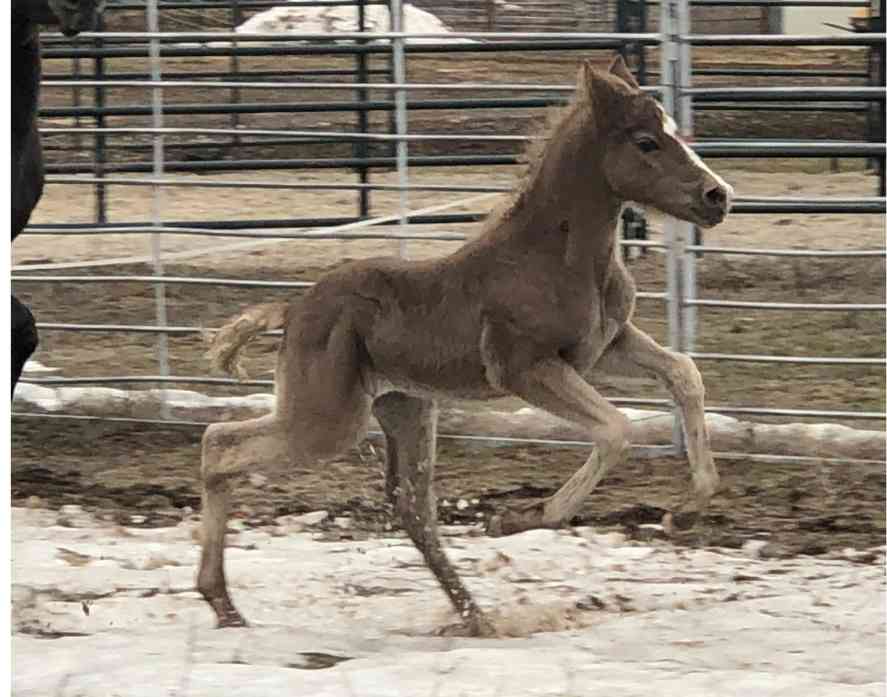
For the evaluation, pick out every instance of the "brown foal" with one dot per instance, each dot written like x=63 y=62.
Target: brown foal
x=525 y=309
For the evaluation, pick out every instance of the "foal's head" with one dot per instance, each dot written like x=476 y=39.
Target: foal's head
x=72 y=16
x=644 y=157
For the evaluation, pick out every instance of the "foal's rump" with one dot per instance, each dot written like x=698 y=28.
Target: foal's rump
x=321 y=397
x=322 y=404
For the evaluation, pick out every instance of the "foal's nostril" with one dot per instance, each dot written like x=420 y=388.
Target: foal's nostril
x=716 y=196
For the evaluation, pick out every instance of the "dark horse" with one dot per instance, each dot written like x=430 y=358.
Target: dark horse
x=73 y=16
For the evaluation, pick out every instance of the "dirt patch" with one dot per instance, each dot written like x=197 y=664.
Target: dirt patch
x=151 y=472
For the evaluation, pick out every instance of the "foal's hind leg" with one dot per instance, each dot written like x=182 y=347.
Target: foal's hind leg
x=230 y=449
x=634 y=353
x=410 y=424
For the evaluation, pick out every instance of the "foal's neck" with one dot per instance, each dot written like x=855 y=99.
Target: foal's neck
x=567 y=205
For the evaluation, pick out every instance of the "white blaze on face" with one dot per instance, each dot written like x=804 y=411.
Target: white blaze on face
x=671 y=130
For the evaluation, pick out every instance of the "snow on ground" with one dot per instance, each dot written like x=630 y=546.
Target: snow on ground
x=342 y=19
x=583 y=614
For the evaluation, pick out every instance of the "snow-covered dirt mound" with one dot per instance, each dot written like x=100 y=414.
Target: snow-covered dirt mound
x=101 y=610
x=344 y=19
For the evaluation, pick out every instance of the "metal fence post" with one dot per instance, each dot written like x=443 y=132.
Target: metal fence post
x=400 y=117
x=360 y=148
x=684 y=117
x=98 y=164
x=234 y=63
x=674 y=67
x=157 y=195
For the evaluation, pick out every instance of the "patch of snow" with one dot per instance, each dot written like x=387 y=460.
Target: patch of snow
x=33 y=367
x=344 y=19
x=584 y=613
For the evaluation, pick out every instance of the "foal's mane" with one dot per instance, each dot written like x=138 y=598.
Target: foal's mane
x=536 y=147
x=533 y=154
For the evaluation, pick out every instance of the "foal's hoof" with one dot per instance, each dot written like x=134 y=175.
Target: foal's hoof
x=226 y=614
x=477 y=626
x=529 y=516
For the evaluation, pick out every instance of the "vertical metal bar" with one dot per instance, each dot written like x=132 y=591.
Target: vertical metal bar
x=400 y=117
x=101 y=210
x=361 y=149
x=236 y=19
x=76 y=94
x=876 y=23
x=157 y=194
x=684 y=118
x=669 y=77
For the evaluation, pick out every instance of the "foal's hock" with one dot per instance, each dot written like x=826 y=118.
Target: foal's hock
x=525 y=309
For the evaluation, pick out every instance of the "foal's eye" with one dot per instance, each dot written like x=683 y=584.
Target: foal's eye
x=646 y=144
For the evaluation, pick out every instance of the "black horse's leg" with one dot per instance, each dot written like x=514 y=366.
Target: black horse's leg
x=24 y=338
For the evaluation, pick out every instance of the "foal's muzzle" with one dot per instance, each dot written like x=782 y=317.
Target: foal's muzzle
x=716 y=201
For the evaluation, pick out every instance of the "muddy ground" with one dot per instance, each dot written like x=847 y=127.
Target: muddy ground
x=124 y=469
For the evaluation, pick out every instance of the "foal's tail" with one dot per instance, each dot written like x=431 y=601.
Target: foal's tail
x=226 y=343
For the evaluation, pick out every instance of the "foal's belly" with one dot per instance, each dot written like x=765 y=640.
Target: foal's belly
x=432 y=356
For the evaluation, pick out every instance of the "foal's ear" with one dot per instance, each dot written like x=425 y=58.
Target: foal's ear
x=598 y=90
x=620 y=70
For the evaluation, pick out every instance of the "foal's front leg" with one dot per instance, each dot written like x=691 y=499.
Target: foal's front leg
x=555 y=386
x=635 y=354
x=410 y=427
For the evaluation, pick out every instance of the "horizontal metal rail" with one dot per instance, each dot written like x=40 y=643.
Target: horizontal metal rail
x=178 y=109
x=71 y=80
x=128 y=328
x=203 y=37
x=115 y=5
x=384 y=86
x=702 y=94
x=265 y=233
x=811 y=360
x=203 y=108
x=861 y=39
x=198 y=380
x=825 y=253
x=740 y=72
x=172 y=280
x=766 y=148
x=329 y=135
x=314 y=49
x=666 y=450
x=838 y=307
x=187 y=280
x=783 y=107
x=241 y=184
x=74 y=80
x=774 y=3
x=799 y=413
x=870 y=205
x=777 y=94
